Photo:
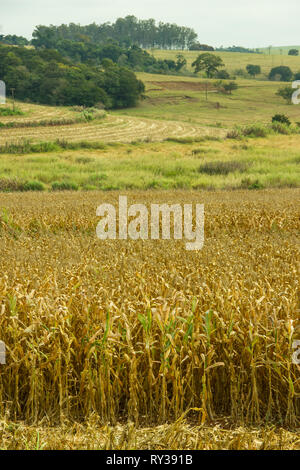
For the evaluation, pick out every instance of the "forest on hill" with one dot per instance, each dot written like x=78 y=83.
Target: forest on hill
x=45 y=76
x=89 y=65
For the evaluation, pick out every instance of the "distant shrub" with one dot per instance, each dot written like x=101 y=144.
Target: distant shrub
x=255 y=130
x=64 y=186
x=235 y=133
x=286 y=93
x=261 y=130
x=222 y=168
x=281 y=118
x=281 y=73
x=253 y=70
x=89 y=115
x=281 y=128
x=11 y=112
x=191 y=140
x=10 y=185
x=196 y=46
x=229 y=87
x=247 y=183
x=83 y=144
x=185 y=140
x=84 y=160
x=222 y=74
x=33 y=186
x=204 y=150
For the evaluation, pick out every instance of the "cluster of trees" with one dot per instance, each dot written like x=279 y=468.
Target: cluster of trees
x=13 y=40
x=196 y=46
x=212 y=64
x=238 y=49
x=45 y=76
x=284 y=74
x=293 y=52
x=125 y=32
x=133 y=57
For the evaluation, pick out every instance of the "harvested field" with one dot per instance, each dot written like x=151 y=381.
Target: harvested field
x=111 y=129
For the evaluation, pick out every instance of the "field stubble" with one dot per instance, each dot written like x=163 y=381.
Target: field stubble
x=111 y=129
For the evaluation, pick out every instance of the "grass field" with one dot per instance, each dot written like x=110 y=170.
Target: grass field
x=142 y=344
x=282 y=50
x=238 y=60
x=131 y=150
x=230 y=164
x=173 y=106
x=184 y=98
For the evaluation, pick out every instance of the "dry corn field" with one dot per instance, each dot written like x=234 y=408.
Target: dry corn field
x=142 y=344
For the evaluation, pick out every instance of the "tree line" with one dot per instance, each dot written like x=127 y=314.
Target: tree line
x=13 y=39
x=126 y=31
x=238 y=49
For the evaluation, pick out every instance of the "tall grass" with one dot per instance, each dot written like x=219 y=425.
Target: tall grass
x=11 y=111
x=262 y=130
x=92 y=165
x=26 y=146
x=222 y=167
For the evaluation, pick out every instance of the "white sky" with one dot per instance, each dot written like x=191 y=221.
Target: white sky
x=249 y=23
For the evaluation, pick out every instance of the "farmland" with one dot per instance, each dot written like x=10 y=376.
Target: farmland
x=123 y=344
x=166 y=142
x=144 y=332
x=238 y=60
x=173 y=106
x=230 y=164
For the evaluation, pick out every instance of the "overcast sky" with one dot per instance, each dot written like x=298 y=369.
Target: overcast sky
x=250 y=23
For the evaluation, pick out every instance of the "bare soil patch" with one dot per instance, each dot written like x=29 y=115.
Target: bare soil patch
x=182 y=85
